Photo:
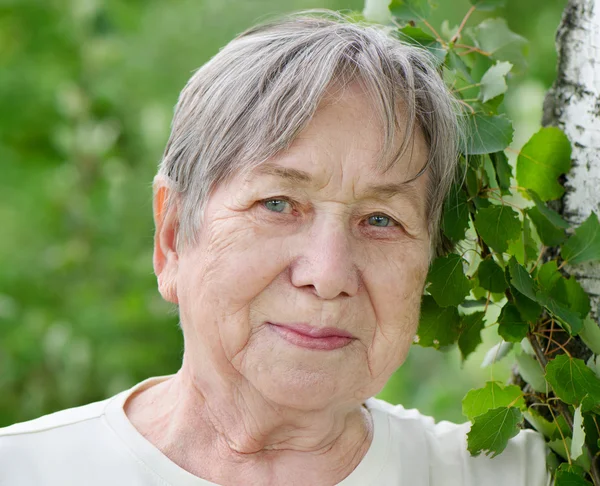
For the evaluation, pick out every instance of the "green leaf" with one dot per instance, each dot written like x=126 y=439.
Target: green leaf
x=524 y=248
x=494 y=37
x=549 y=234
x=560 y=446
x=591 y=431
x=416 y=36
x=472 y=182
x=491 y=431
x=542 y=160
x=551 y=215
x=548 y=275
x=456 y=215
x=529 y=310
x=569 y=292
x=567 y=475
x=532 y=372
x=491 y=276
x=562 y=297
x=493 y=82
x=521 y=280
x=511 y=326
x=539 y=422
x=486 y=134
x=569 y=320
x=446 y=31
x=438 y=326
x=489 y=178
x=572 y=380
x=448 y=284
x=410 y=9
x=578 y=434
x=470 y=335
x=590 y=334
x=584 y=245
x=503 y=170
x=593 y=363
x=479 y=64
x=488 y=4
x=497 y=225
x=493 y=395
x=458 y=70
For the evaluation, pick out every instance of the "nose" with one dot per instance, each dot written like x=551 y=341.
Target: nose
x=325 y=264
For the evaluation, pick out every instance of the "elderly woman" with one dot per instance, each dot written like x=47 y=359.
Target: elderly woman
x=297 y=208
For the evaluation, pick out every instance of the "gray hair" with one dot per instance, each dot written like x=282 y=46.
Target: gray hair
x=253 y=98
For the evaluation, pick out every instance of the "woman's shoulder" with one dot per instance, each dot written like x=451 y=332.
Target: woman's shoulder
x=443 y=447
x=72 y=446
x=55 y=420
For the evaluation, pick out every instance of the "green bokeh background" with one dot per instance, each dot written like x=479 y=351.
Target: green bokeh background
x=87 y=89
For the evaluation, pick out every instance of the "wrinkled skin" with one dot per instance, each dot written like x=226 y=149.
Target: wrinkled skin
x=328 y=252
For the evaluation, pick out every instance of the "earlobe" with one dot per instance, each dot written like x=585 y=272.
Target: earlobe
x=165 y=258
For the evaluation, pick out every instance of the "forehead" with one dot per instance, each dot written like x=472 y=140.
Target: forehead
x=343 y=142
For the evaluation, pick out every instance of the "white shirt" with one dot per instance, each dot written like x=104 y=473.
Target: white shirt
x=96 y=445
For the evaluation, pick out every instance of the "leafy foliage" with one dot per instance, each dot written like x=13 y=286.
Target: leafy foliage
x=491 y=431
x=542 y=160
x=470 y=333
x=584 y=245
x=491 y=276
x=498 y=225
x=571 y=380
x=487 y=133
x=492 y=395
x=498 y=42
x=507 y=255
x=438 y=326
x=493 y=82
x=449 y=285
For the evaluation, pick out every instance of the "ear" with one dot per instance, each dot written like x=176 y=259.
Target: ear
x=165 y=258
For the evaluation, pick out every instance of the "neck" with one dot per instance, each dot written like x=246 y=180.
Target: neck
x=242 y=438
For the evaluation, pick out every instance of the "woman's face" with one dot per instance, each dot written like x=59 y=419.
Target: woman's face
x=316 y=238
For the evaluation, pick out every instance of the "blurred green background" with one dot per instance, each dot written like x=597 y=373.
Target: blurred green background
x=87 y=89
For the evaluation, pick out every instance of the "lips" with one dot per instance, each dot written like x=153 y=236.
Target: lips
x=306 y=336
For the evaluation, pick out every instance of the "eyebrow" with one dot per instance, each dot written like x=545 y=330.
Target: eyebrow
x=293 y=175
x=297 y=176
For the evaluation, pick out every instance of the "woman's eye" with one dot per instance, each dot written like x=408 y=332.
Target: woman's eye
x=277 y=205
x=381 y=220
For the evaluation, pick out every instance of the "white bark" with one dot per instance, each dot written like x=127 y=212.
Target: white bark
x=573 y=104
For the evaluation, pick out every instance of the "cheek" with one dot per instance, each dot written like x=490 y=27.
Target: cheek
x=395 y=281
x=395 y=290
x=219 y=280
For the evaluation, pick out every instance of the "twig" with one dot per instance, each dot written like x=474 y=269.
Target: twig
x=550 y=337
x=470 y=49
x=474 y=85
x=462 y=25
x=564 y=411
x=539 y=258
x=467 y=105
x=438 y=37
x=561 y=346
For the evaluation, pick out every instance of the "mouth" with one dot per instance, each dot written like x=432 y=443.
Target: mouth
x=306 y=336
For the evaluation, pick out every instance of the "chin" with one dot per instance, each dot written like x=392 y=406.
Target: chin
x=305 y=379
x=299 y=389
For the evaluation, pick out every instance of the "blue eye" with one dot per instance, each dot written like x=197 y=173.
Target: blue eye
x=380 y=220
x=276 y=205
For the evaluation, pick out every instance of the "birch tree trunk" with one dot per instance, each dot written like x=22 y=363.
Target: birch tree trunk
x=573 y=104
